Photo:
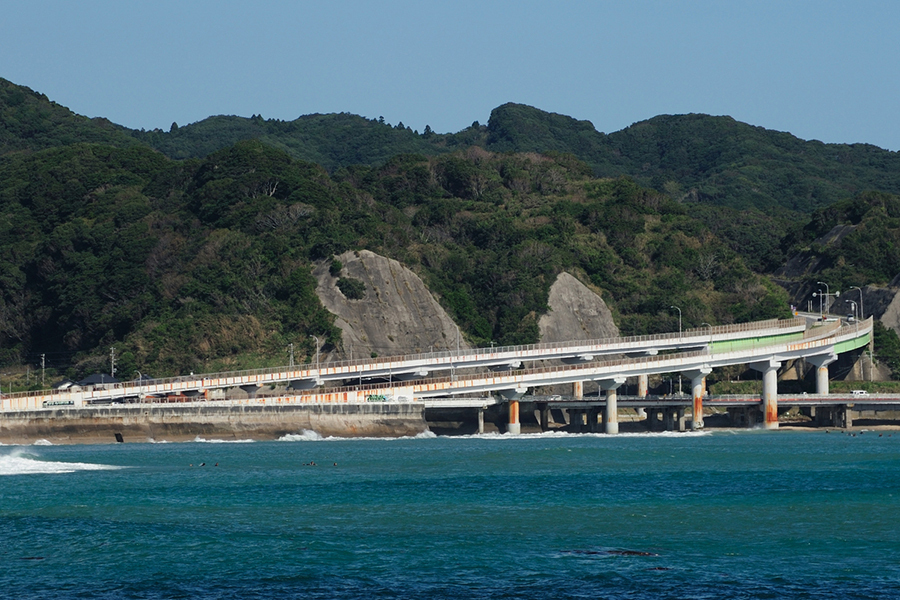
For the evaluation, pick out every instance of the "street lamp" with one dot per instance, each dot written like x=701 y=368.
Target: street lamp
x=679 y=319
x=317 y=355
x=862 y=311
x=821 y=312
x=855 y=315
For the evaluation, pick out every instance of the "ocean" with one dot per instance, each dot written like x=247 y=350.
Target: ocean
x=717 y=514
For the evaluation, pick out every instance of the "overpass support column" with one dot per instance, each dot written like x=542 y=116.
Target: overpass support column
x=611 y=414
x=481 y=420
x=769 y=369
x=821 y=363
x=578 y=390
x=643 y=391
x=698 y=377
x=250 y=389
x=514 y=427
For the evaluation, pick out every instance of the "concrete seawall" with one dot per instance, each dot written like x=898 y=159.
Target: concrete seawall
x=143 y=423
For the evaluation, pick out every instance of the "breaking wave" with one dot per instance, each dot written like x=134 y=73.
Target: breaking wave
x=19 y=462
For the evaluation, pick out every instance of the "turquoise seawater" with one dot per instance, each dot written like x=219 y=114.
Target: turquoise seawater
x=748 y=514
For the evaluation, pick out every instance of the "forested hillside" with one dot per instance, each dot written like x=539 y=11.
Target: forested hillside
x=192 y=250
x=206 y=264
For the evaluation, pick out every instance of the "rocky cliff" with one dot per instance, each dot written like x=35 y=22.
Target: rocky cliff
x=576 y=313
x=397 y=314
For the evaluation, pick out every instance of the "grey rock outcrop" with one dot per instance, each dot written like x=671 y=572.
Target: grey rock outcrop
x=576 y=313
x=396 y=315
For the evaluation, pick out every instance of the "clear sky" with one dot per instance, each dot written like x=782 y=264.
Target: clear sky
x=819 y=69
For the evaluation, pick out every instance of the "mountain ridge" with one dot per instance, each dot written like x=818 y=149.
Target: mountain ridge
x=714 y=160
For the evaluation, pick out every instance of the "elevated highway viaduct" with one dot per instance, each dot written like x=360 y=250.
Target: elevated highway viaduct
x=508 y=372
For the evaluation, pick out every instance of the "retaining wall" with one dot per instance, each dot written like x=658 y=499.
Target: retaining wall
x=181 y=423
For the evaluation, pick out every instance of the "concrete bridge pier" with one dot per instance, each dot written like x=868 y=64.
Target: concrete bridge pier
x=544 y=409
x=673 y=419
x=578 y=390
x=481 y=420
x=836 y=416
x=643 y=390
x=821 y=363
x=769 y=369
x=593 y=419
x=652 y=418
x=698 y=383
x=611 y=414
x=250 y=389
x=514 y=427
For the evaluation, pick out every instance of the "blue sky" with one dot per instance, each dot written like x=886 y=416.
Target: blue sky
x=820 y=70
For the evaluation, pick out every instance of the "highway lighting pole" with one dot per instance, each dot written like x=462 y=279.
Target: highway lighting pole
x=317 y=355
x=679 y=319
x=852 y=303
x=827 y=295
x=679 y=338
x=862 y=310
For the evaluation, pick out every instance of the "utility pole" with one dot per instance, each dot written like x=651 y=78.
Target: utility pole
x=291 y=346
x=112 y=362
x=43 y=366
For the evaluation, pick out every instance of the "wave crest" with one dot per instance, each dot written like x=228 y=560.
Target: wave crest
x=21 y=463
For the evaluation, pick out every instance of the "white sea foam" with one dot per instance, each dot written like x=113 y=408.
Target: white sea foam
x=43 y=443
x=201 y=440
x=19 y=462
x=565 y=434
x=307 y=435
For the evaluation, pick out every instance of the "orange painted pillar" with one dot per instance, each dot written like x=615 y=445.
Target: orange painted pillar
x=514 y=426
x=697 y=389
x=770 y=397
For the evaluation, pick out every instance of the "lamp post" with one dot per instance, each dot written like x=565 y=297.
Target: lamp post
x=820 y=294
x=862 y=310
x=828 y=295
x=852 y=303
x=317 y=355
x=679 y=319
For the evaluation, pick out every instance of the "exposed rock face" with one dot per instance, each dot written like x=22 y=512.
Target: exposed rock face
x=397 y=314
x=576 y=313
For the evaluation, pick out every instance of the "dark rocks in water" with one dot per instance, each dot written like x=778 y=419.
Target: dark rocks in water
x=610 y=552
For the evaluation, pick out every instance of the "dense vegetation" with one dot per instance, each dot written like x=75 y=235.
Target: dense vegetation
x=192 y=250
